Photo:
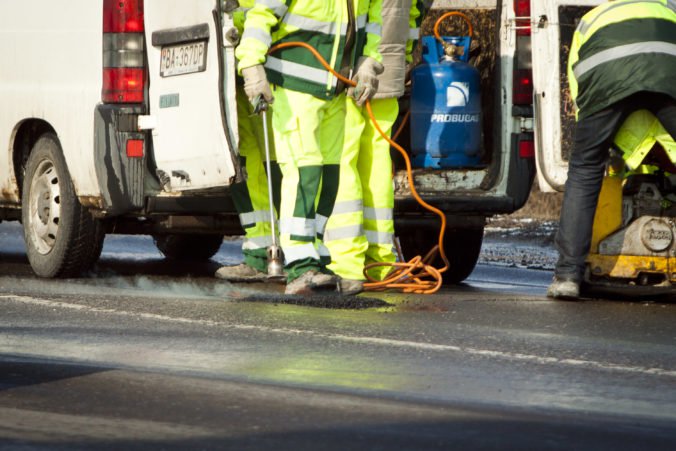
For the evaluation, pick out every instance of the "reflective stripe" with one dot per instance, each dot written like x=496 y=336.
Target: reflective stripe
x=257 y=34
x=378 y=214
x=374 y=28
x=254 y=217
x=414 y=34
x=309 y=24
x=348 y=206
x=276 y=6
x=672 y=5
x=379 y=237
x=242 y=9
x=588 y=64
x=583 y=27
x=341 y=233
x=361 y=20
x=320 y=223
x=299 y=70
x=257 y=242
x=323 y=251
x=297 y=226
x=295 y=253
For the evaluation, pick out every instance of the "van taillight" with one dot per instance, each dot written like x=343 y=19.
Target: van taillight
x=526 y=145
x=522 y=13
x=522 y=93
x=522 y=89
x=124 y=71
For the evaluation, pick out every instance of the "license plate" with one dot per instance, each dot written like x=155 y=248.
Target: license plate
x=183 y=59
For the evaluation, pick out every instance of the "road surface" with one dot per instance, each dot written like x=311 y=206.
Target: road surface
x=146 y=354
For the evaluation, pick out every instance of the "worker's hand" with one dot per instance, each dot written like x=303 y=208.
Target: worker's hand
x=256 y=84
x=366 y=76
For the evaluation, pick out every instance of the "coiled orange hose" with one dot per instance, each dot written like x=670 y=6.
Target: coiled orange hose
x=417 y=275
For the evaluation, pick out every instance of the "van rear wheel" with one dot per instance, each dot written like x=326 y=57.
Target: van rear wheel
x=188 y=246
x=62 y=238
x=462 y=248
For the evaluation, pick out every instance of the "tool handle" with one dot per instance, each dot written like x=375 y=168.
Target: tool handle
x=260 y=104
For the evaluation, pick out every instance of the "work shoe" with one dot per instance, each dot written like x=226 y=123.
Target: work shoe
x=350 y=287
x=562 y=288
x=321 y=279
x=311 y=281
x=239 y=272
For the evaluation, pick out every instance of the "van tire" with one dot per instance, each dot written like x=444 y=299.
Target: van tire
x=62 y=238
x=462 y=248
x=195 y=247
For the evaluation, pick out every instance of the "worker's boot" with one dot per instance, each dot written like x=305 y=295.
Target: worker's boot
x=350 y=287
x=564 y=288
x=310 y=282
x=239 y=272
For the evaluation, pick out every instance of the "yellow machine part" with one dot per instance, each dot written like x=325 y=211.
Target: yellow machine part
x=608 y=216
x=608 y=219
x=630 y=267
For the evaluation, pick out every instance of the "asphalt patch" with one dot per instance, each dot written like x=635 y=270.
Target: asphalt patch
x=320 y=300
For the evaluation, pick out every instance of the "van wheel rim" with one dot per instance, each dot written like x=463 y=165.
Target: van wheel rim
x=45 y=207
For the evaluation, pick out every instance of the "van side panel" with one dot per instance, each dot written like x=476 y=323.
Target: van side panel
x=51 y=70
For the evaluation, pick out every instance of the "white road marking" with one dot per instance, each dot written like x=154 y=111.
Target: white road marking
x=355 y=339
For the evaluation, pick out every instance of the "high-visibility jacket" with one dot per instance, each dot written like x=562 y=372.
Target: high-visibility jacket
x=621 y=48
x=239 y=15
x=340 y=30
x=637 y=136
x=396 y=46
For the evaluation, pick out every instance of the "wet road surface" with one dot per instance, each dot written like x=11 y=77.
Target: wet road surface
x=147 y=354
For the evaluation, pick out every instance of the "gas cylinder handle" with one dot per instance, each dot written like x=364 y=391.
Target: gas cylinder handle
x=446 y=16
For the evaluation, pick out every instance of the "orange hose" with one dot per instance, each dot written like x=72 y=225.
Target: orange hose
x=451 y=14
x=412 y=276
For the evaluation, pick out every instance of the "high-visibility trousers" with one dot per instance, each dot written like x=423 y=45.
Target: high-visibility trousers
x=309 y=136
x=251 y=196
x=361 y=229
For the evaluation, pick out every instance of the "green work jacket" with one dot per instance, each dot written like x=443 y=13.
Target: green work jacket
x=340 y=30
x=620 y=48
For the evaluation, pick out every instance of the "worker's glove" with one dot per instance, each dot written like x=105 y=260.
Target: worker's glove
x=366 y=76
x=256 y=84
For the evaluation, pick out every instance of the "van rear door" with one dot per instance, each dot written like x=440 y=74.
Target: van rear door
x=554 y=24
x=190 y=102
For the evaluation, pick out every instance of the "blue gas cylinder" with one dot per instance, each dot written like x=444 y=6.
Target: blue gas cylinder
x=445 y=108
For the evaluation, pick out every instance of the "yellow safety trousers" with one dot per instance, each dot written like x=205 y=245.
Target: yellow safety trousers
x=309 y=135
x=637 y=136
x=361 y=229
x=252 y=203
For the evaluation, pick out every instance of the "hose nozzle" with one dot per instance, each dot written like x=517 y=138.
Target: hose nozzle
x=275 y=261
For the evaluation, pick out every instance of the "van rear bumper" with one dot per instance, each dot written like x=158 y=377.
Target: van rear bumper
x=120 y=177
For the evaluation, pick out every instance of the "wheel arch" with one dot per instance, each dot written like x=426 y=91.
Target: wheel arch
x=25 y=135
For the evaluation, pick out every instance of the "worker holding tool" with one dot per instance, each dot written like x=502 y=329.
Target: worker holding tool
x=361 y=229
x=250 y=196
x=308 y=117
x=622 y=59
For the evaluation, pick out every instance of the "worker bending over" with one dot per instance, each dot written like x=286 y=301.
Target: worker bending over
x=361 y=229
x=622 y=59
x=251 y=195
x=308 y=117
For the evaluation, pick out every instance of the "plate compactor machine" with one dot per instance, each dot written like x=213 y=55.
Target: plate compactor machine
x=633 y=245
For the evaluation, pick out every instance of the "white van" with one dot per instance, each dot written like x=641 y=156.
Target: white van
x=116 y=116
x=119 y=117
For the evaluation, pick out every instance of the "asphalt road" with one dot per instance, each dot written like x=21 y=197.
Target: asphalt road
x=146 y=354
